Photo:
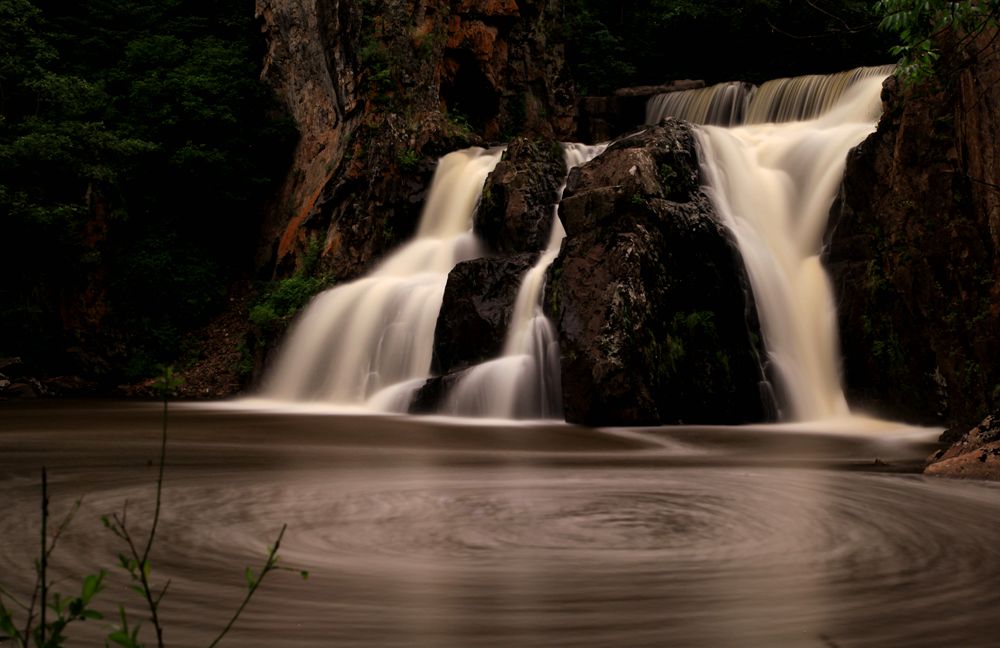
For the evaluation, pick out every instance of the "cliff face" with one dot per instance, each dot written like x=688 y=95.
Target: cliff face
x=915 y=251
x=379 y=91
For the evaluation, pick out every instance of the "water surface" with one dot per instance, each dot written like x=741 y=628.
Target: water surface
x=422 y=532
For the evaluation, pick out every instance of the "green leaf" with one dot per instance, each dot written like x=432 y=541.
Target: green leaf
x=91 y=586
x=251 y=581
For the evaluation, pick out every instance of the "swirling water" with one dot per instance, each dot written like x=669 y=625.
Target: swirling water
x=424 y=532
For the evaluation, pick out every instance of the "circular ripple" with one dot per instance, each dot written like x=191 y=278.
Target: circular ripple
x=768 y=554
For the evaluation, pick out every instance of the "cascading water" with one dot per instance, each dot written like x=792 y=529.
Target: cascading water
x=523 y=382
x=724 y=104
x=778 y=100
x=773 y=184
x=370 y=341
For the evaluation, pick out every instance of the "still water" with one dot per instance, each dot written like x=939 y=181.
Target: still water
x=424 y=532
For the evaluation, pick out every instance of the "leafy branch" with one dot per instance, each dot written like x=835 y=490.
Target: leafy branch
x=921 y=24
x=48 y=633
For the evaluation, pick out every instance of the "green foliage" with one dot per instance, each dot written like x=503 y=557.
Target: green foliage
x=137 y=146
x=281 y=300
x=409 y=159
x=920 y=24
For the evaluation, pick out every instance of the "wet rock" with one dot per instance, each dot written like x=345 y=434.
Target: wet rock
x=516 y=211
x=476 y=310
x=976 y=455
x=429 y=398
x=648 y=295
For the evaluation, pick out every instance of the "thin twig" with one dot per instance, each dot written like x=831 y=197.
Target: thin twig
x=159 y=478
x=269 y=565
x=45 y=558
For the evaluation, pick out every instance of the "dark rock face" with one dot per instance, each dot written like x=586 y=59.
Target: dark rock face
x=504 y=68
x=477 y=307
x=600 y=119
x=380 y=90
x=976 y=455
x=914 y=253
x=515 y=214
x=649 y=298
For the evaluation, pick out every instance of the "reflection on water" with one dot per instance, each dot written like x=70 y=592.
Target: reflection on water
x=421 y=533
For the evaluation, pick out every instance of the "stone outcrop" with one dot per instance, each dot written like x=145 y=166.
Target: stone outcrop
x=914 y=252
x=476 y=310
x=519 y=198
x=975 y=455
x=648 y=295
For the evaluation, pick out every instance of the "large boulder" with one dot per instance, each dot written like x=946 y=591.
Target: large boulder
x=914 y=252
x=650 y=299
x=519 y=197
x=975 y=455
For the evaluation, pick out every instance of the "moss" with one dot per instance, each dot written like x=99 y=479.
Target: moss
x=409 y=159
x=281 y=300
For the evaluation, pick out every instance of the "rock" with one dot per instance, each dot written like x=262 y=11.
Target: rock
x=8 y=365
x=24 y=388
x=914 y=252
x=648 y=295
x=70 y=386
x=428 y=399
x=519 y=198
x=476 y=309
x=600 y=119
x=504 y=68
x=976 y=455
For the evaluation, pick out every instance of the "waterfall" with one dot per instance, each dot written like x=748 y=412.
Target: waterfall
x=370 y=341
x=772 y=185
x=524 y=381
x=724 y=104
x=779 y=100
x=771 y=166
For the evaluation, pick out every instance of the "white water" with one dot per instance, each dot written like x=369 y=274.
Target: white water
x=778 y=100
x=370 y=341
x=773 y=185
x=524 y=381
